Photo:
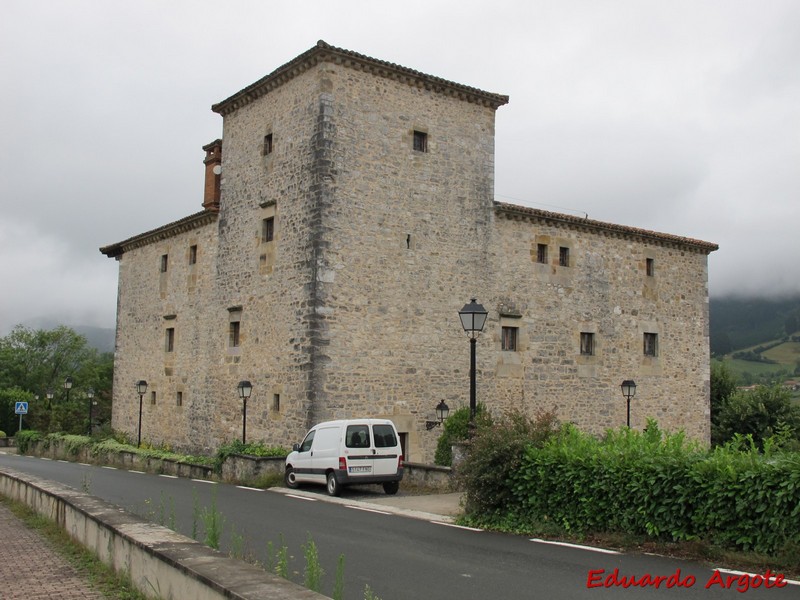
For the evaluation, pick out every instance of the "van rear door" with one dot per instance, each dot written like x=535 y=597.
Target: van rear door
x=386 y=449
x=358 y=448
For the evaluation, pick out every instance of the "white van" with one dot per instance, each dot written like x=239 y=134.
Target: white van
x=347 y=452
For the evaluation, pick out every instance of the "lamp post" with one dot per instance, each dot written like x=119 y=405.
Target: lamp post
x=442 y=412
x=90 y=396
x=49 y=393
x=68 y=385
x=473 y=318
x=245 y=389
x=141 y=389
x=628 y=388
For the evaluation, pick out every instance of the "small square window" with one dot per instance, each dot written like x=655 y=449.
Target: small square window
x=509 y=339
x=233 y=334
x=267 y=144
x=152 y=397
x=650 y=267
x=268 y=230
x=276 y=402
x=563 y=256
x=541 y=253
x=164 y=261
x=587 y=344
x=169 y=342
x=179 y=399
x=651 y=344
x=420 y=141
x=193 y=255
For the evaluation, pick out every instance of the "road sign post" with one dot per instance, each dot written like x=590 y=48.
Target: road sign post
x=21 y=408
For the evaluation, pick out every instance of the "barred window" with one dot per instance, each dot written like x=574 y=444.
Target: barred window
x=420 y=141
x=563 y=256
x=541 y=253
x=587 y=344
x=651 y=344
x=268 y=229
x=509 y=338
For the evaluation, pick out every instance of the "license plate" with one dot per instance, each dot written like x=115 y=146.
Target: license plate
x=359 y=469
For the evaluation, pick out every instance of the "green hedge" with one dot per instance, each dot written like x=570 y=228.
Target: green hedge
x=656 y=485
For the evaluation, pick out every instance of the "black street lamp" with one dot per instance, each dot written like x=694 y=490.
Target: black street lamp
x=68 y=385
x=90 y=396
x=442 y=412
x=473 y=318
x=245 y=389
x=628 y=388
x=141 y=389
x=49 y=393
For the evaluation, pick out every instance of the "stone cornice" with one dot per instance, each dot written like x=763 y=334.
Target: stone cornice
x=515 y=212
x=161 y=233
x=324 y=52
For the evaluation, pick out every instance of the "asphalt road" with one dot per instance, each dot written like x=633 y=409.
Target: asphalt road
x=398 y=557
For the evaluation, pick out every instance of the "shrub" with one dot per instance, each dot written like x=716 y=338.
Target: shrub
x=2 y=434
x=494 y=454
x=456 y=429
x=248 y=449
x=24 y=439
x=658 y=485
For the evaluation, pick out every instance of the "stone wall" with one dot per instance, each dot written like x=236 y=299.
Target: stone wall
x=350 y=310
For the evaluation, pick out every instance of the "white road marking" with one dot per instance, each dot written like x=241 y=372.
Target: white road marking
x=455 y=526
x=372 y=510
x=301 y=497
x=576 y=546
x=244 y=487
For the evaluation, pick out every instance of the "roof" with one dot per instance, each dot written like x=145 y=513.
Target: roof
x=324 y=52
x=513 y=211
x=161 y=233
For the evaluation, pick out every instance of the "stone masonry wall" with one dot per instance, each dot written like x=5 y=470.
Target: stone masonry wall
x=350 y=309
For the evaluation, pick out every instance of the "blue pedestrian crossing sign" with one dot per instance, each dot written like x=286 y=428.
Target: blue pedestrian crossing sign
x=21 y=408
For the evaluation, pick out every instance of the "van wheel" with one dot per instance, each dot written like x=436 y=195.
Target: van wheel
x=290 y=478
x=334 y=489
x=391 y=487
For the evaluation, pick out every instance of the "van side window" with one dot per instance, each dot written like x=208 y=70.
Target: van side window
x=357 y=436
x=384 y=436
x=306 y=445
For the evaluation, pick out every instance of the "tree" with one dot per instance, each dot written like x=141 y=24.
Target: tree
x=723 y=386
x=761 y=413
x=35 y=361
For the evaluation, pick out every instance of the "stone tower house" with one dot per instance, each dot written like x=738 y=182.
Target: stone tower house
x=348 y=215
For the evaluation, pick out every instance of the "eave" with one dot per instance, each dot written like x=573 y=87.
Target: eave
x=324 y=52
x=164 y=232
x=515 y=212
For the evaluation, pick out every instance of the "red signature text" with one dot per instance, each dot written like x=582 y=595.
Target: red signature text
x=741 y=582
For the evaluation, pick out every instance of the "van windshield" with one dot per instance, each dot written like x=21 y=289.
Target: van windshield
x=357 y=436
x=384 y=436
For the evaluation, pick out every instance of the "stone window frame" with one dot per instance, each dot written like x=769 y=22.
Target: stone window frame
x=164 y=263
x=153 y=397
x=192 y=255
x=650 y=267
x=234 y=342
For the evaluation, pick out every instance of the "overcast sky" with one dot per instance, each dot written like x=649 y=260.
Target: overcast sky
x=680 y=116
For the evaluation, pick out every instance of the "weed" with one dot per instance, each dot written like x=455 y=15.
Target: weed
x=314 y=570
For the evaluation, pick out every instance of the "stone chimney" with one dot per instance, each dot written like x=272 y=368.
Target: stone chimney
x=213 y=162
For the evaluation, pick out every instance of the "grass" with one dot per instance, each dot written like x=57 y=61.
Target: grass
x=100 y=576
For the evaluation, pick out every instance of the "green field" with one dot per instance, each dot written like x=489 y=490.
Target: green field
x=785 y=355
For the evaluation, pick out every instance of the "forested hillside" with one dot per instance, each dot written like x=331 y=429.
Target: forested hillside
x=739 y=323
